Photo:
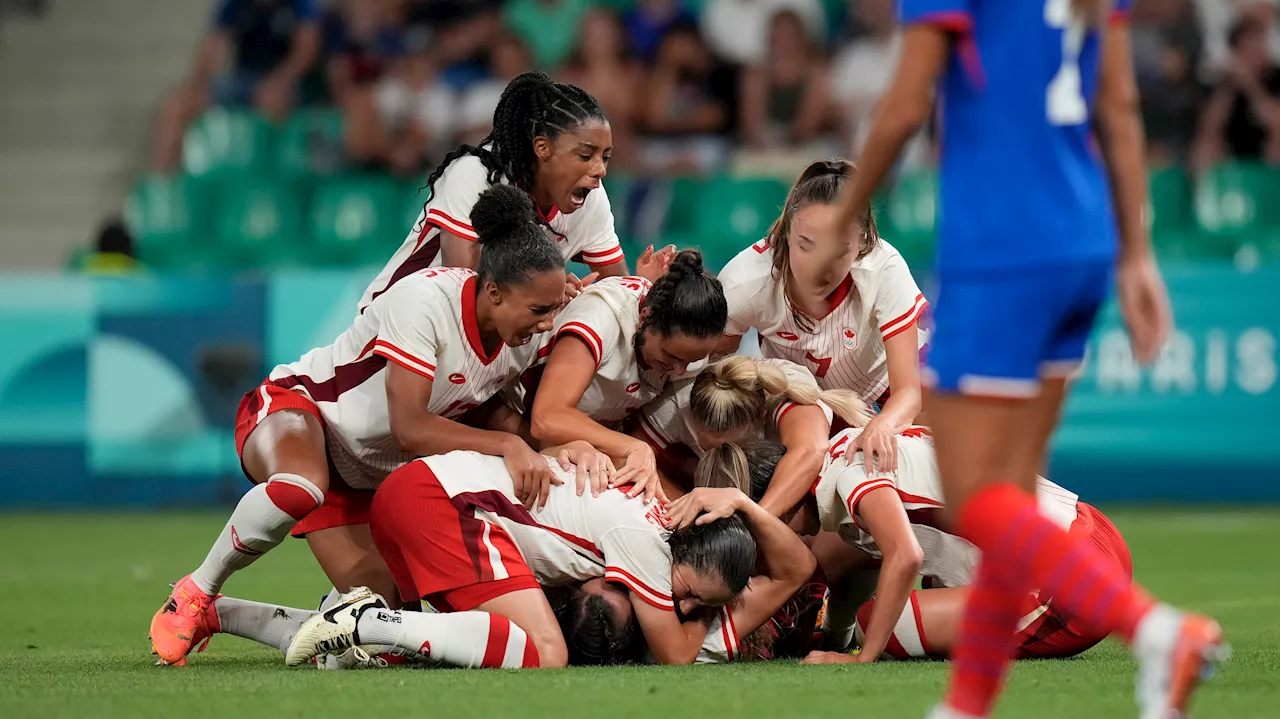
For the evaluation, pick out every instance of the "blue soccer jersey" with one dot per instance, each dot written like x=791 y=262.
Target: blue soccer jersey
x=1021 y=181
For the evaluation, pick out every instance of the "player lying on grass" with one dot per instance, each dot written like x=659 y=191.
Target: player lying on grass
x=343 y=416
x=616 y=346
x=896 y=520
x=553 y=142
x=454 y=535
x=846 y=307
x=736 y=399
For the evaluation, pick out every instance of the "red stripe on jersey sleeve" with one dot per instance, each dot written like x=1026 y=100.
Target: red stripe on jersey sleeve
x=587 y=335
x=651 y=433
x=447 y=223
x=642 y=590
x=904 y=322
x=385 y=349
x=613 y=254
x=861 y=492
x=733 y=632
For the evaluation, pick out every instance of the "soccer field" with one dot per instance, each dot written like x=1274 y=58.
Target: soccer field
x=77 y=592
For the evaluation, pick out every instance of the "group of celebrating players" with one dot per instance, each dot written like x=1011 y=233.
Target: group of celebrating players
x=502 y=465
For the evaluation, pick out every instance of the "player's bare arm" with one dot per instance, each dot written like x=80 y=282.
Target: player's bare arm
x=903 y=109
x=458 y=251
x=879 y=440
x=803 y=430
x=1144 y=301
x=425 y=433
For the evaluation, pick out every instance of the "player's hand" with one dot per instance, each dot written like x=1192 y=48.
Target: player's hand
x=641 y=470
x=1144 y=304
x=879 y=449
x=816 y=657
x=652 y=265
x=592 y=466
x=573 y=286
x=704 y=505
x=530 y=473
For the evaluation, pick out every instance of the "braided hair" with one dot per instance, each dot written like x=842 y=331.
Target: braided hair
x=533 y=105
x=686 y=300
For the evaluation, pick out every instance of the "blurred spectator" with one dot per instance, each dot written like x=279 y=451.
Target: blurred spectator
x=509 y=58
x=648 y=21
x=459 y=33
x=1170 y=107
x=686 y=114
x=1219 y=16
x=602 y=64
x=1242 y=118
x=785 y=101
x=548 y=27
x=1157 y=25
x=415 y=112
x=863 y=68
x=737 y=31
x=274 y=42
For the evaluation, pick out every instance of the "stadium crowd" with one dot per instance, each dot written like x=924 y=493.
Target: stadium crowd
x=690 y=87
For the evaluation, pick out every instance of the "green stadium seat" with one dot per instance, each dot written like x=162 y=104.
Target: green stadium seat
x=907 y=217
x=686 y=196
x=163 y=214
x=310 y=144
x=352 y=219
x=226 y=143
x=259 y=223
x=733 y=214
x=1169 y=208
x=1185 y=245
x=1237 y=199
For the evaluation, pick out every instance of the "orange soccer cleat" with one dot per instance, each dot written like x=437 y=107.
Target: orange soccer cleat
x=187 y=618
x=1186 y=649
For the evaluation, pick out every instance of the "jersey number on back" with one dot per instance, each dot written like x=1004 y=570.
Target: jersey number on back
x=1064 y=100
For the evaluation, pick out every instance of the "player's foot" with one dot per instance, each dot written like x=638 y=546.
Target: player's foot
x=186 y=619
x=368 y=656
x=333 y=631
x=1175 y=652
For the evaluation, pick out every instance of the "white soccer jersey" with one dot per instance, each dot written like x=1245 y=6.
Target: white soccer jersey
x=573 y=538
x=587 y=235
x=947 y=558
x=668 y=420
x=721 y=643
x=426 y=324
x=878 y=300
x=606 y=316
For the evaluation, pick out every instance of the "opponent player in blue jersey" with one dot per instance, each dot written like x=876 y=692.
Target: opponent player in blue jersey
x=1033 y=232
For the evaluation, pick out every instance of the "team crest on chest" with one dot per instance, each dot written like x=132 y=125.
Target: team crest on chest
x=848 y=338
x=457 y=378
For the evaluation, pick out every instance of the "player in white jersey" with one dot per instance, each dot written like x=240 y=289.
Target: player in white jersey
x=345 y=415
x=616 y=346
x=896 y=519
x=549 y=139
x=738 y=399
x=453 y=534
x=848 y=311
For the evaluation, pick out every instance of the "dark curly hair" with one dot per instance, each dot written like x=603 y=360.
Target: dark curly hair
x=513 y=244
x=532 y=105
x=686 y=300
x=588 y=624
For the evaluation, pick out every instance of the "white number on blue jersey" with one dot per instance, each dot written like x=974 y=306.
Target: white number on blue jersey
x=1064 y=100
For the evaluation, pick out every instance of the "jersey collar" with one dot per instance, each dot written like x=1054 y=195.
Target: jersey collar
x=837 y=298
x=471 y=326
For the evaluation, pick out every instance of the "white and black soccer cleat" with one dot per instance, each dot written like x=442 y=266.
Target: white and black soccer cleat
x=333 y=631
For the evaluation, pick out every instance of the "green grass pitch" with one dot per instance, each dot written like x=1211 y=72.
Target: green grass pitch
x=77 y=593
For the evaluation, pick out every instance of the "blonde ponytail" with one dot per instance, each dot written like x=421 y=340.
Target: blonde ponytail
x=735 y=392
x=726 y=466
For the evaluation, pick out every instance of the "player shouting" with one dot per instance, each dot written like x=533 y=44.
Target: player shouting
x=390 y=388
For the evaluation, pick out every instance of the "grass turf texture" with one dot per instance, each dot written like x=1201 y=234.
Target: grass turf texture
x=77 y=593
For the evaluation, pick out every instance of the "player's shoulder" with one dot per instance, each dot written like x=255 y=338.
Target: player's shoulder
x=750 y=268
x=882 y=255
x=616 y=510
x=468 y=169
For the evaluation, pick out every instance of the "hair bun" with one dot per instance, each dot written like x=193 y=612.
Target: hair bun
x=500 y=210
x=835 y=167
x=686 y=263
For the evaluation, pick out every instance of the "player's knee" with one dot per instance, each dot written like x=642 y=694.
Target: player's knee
x=294 y=494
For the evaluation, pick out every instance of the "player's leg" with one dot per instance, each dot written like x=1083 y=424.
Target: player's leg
x=927 y=627
x=349 y=559
x=282 y=448
x=269 y=624
x=180 y=108
x=458 y=563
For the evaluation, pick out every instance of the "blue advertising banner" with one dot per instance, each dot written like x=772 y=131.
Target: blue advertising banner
x=119 y=392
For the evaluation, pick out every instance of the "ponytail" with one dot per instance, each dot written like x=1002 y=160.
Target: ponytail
x=748 y=468
x=734 y=393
